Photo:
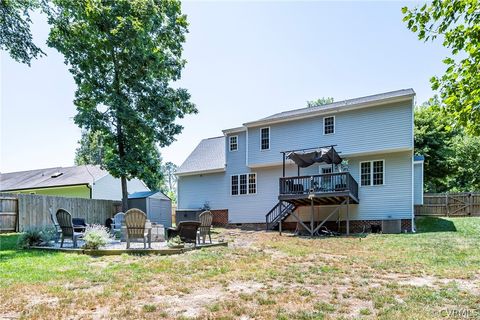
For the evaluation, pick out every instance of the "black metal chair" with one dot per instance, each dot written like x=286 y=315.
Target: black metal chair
x=186 y=230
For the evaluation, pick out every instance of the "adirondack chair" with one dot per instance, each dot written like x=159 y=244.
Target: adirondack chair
x=58 y=230
x=65 y=222
x=135 y=222
x=118 y=221
x=206 y=219
x=186 y=230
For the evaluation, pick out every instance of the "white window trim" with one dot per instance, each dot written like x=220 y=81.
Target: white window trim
x=231 y=185
x=269 y=140
x=334 y=125
x=230 y=143
x=248 y=191
x=248 y=183
x=371 y=173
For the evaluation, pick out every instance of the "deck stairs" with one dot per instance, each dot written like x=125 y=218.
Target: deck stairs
x=281 y=211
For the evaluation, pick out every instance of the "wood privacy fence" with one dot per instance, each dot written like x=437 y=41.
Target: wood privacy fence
x=449 y=204
x=22 y=211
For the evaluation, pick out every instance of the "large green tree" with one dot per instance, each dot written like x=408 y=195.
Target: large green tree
x=90 y=150
x=15 y=35
x=124 y=56
x=451 y=154
x=170 y=184
x=456 y=24
x=466 y=165
x=433 y=139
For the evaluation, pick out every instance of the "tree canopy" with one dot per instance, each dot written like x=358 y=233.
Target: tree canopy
x=319 y=102
x=451 y=154
x=124 y=56
x=456 y=23
x=90 y=150
x=15 y=35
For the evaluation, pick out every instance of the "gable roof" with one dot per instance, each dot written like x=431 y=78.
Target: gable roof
x=147 y=194
x=51 y=177
x=208 y=156
x=362 y=102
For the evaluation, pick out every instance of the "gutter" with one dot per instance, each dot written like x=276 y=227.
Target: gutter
x=191 y=173
x=47 y=187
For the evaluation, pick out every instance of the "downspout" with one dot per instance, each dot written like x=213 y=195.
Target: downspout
x=246 y=147
x=413 y=167
x=90 y=189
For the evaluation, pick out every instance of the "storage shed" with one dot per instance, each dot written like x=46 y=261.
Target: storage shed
x=155 y=204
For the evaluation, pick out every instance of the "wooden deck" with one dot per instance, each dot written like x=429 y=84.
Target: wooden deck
x=322 y=189
x=338 y=189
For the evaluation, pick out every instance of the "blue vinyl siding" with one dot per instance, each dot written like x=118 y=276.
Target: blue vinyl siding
x=393 y=200
x=378 y=130
x=357 y=131
x=418 y=183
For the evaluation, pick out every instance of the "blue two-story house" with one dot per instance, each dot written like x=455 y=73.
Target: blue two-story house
x=261 y=171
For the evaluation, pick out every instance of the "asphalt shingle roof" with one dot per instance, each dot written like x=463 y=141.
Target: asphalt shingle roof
x=208 y=155
x=337 y=105
x=41 y=178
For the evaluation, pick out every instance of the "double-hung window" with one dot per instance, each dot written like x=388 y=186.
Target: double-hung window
x=242 y=184
x=265 y=138
x=233 y=143
x=372 y=173
x=329 y=125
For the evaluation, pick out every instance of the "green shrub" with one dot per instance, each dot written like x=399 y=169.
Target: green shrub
x=175 y=241
x=95 y=237
x=35 y=237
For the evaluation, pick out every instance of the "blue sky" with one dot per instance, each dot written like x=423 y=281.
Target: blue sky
x=246 y=60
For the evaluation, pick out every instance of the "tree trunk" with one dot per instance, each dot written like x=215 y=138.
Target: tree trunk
x=121 y=155
x=120 y=136
x=124 y=194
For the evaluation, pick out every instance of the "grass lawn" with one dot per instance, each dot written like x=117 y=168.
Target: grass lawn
x=428 y=275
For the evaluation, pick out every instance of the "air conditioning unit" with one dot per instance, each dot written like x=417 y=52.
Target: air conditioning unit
x=392 y=226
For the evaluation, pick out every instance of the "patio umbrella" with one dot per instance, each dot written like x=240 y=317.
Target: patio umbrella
x=323 y=155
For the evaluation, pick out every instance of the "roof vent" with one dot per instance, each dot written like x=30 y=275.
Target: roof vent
x=56 y=174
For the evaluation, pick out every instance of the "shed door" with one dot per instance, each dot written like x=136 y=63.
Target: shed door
x=160 y=211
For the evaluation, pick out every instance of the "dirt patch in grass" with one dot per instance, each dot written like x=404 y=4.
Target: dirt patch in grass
x=261 y=275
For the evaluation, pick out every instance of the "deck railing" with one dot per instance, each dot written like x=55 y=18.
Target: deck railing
x=320 y=183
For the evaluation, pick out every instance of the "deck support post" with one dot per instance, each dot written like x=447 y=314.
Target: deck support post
x=348 y=217
x=337 y=209
x=312 y=212
x=283 y=164
x=280 y=227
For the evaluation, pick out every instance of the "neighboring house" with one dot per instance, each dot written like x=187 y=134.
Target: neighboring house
x=241 y=170
x=85 y=181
